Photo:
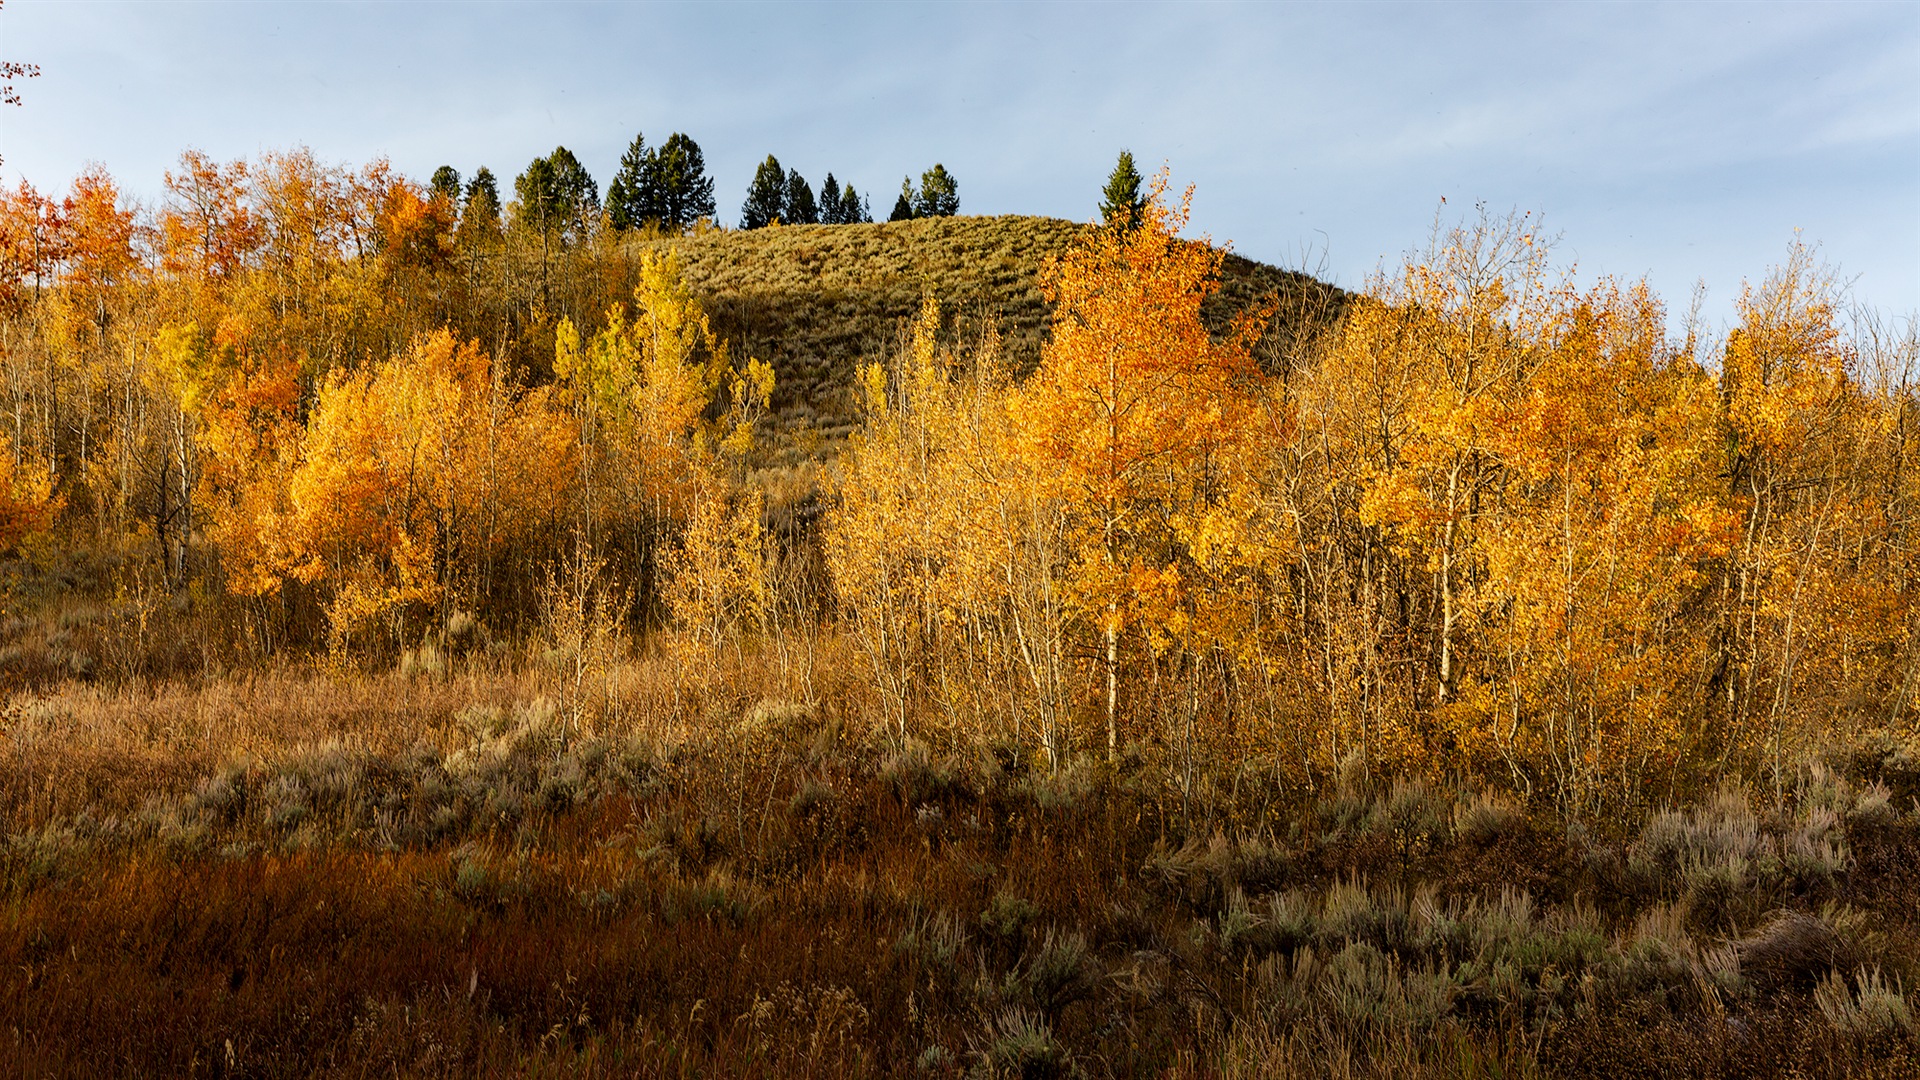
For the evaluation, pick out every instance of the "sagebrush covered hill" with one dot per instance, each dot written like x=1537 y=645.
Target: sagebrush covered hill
x=817 y=300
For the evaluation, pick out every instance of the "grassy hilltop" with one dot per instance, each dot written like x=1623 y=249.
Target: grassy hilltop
x=817 y=300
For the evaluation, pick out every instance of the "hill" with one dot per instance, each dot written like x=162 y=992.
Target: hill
x=818 y=300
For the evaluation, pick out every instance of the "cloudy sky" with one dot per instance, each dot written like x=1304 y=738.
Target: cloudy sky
x=1682 y=142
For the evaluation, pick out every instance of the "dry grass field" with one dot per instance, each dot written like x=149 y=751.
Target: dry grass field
x=730 y=871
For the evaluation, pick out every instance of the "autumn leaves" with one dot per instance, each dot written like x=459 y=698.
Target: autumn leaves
x=434 y=480
x=1491 y=521
x=1487 y=519
x=992 y=536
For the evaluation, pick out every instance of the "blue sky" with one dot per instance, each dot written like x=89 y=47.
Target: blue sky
x=1682 y=142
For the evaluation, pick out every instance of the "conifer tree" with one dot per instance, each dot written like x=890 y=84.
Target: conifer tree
x=767 y=197
x=800 y=207
x=682 y=188
x=939 y=194
x=830 y=202
x=536 y=198
x=482 y=205
x=1121 y=202
x=853 y=208
x=631 y=198
x=903 y=206
x=445 y=184
x=556 y=193
x=579 y=194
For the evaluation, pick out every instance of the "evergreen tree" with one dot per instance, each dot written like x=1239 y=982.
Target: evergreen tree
x=830 y=202
x=445 y=184
x=1121 y=203
x=681 y=184
x=631 y=199
x=480 y=216
x=903 y=206
x=853 y=208
x=939 y=194
x=767 y=197
x=556 y=194
x=579 y=194
x=800 y=209
x=536 y=198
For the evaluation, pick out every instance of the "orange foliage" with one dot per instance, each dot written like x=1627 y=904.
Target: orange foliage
x=1134 y=414
x=1487 y=520
x=413 y=476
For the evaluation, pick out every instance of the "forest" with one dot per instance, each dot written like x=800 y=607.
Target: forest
x=432 y=646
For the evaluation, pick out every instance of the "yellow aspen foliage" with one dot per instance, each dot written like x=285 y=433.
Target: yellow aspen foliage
x=640 y=389
x=718 y=576
x=1818 y=595
x=1481 y=519
x=208 y=228
x=917 y=542
x=656 y=475
x=413 y=476
x=1606 y=518
x=1132 y=406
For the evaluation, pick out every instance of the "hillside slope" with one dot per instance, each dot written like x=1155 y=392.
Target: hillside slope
x=818 y=300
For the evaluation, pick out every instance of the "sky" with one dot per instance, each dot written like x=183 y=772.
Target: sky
x=1679 y=142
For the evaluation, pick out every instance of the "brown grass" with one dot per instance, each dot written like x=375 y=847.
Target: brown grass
x=730 y=871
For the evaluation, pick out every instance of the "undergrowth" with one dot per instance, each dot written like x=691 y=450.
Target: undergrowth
x=298 y=875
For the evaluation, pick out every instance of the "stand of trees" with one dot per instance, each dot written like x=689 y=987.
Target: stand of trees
x=1487 y=521
x=668 y=186
x=937 y=196
x=786 y=197
x=355 y=404
x=1490 y=523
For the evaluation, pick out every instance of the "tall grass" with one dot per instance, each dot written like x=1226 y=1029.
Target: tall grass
x=303 y=873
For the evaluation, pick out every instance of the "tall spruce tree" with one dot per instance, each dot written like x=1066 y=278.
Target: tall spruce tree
x=536 y=198
x=1121 y=204
x=939 y=194
x=853 y=208
x=766 y=196
x=830 y=202
x=682 y=188
x=579 y=194
x=631 y=198
x=903 y=206
x=800 y=208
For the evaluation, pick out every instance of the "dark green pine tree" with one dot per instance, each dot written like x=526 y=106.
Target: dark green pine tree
x=536 y=198
x=903 y=206
x=853 y=208
x=939 y=194
x=579 y=194
x=682 y=188
x=631 y=200
x=557 y=195
x=766 y=197
x=445 y=184
x=830 y=202
x=1121 y=204
x=800 y=209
